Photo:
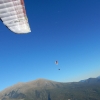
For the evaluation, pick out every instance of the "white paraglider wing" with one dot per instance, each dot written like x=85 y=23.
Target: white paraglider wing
x=13 y=15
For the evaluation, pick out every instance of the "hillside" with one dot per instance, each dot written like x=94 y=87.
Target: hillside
x=42 y=89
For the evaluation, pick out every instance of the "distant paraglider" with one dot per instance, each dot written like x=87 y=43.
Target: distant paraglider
x=56 y=62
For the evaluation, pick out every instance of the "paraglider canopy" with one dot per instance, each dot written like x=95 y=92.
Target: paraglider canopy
x=13 y=15
x=56 y=62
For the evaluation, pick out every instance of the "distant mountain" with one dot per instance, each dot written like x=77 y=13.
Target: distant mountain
x=98 y=77
x=91 y=80
x=43 y=89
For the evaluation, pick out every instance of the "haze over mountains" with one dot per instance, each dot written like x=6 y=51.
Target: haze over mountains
x=43 y=89
x=91 y=80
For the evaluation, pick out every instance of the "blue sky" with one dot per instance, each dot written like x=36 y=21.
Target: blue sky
x=63 y=30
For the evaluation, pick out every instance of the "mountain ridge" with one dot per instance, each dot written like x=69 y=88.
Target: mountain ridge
x=89 y=80
x=44 y=89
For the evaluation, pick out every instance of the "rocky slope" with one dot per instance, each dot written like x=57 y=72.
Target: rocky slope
x=42 y=89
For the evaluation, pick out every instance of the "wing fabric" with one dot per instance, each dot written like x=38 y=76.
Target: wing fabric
x=13 y=15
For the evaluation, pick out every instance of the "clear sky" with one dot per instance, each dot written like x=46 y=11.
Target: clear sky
x=63 y=30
